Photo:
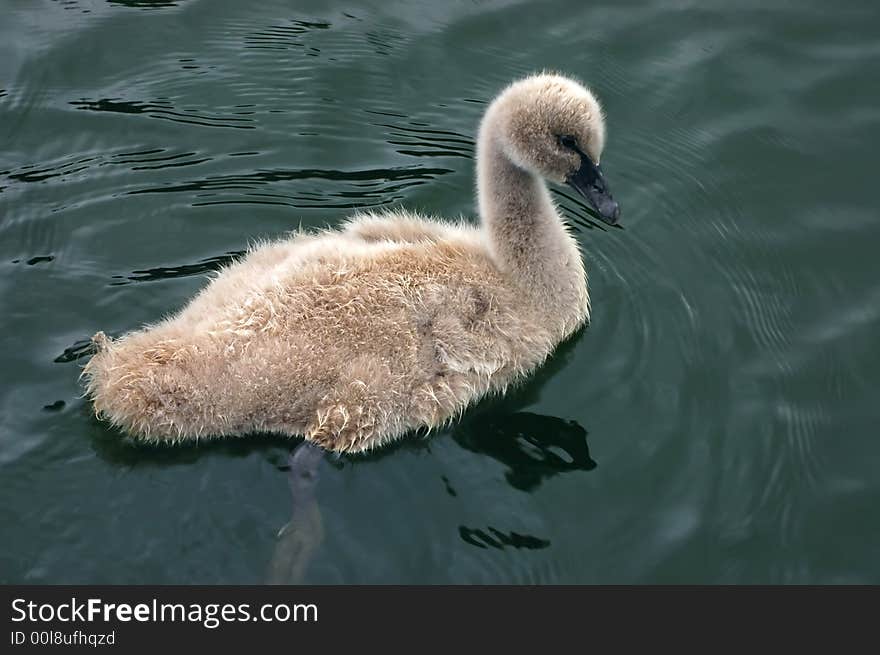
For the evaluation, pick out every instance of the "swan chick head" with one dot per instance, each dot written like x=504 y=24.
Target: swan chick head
x=554 y=127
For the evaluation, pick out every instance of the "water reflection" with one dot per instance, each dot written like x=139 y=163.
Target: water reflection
x=115 y=447
x=40 y=259
x=65 y=168
x=532 y=446
x=283 y=37
x=492 y=538
x=145 y=4
x=77 y=350
x=164 y=110
x=361 y=189
x=413 y=138
x=207 y=265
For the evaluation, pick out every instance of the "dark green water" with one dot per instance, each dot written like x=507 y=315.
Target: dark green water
x=718 y=422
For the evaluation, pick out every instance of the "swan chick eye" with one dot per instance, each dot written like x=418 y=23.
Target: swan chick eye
x=567 y=141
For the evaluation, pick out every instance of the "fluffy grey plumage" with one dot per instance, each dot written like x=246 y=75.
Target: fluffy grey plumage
x=394 y=322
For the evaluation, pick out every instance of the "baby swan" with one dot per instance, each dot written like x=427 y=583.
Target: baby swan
x=395 y=322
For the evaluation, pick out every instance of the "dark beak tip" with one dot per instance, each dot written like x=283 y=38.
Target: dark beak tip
x=611 y=212
x=590 y=184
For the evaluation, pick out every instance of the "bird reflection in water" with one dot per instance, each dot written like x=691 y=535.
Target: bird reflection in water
x=532 y=446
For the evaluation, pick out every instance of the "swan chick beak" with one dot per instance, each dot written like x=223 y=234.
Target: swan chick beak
x=589 y=182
